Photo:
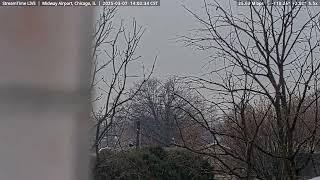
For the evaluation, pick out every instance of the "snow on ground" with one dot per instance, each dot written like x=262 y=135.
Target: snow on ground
x=316 y=178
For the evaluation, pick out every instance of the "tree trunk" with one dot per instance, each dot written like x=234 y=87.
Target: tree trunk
x=138 y=134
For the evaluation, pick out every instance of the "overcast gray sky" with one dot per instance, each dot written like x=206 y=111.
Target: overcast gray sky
x=163 y=24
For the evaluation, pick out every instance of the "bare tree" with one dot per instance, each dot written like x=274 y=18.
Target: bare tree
x=113 y=53
x=151 y=112
x=157 y=116
x=264 y=82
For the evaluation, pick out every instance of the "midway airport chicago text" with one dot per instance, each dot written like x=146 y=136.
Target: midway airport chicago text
x=48 y=3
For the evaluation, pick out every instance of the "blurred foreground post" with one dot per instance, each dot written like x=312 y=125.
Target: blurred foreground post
x=44 y=72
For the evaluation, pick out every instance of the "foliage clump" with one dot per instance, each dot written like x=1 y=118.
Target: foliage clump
x=154 y=163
